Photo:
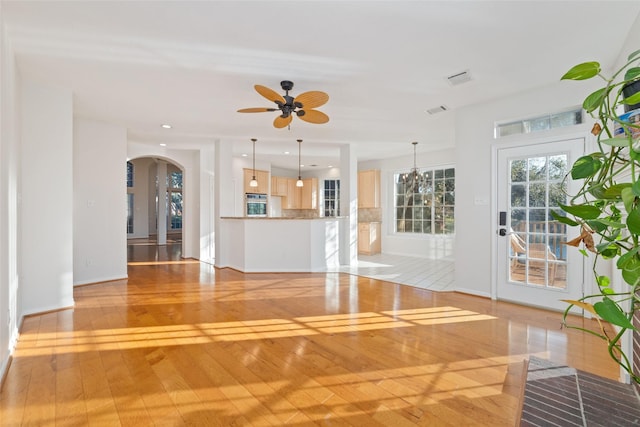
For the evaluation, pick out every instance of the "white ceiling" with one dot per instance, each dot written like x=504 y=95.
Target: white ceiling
x=383 y=63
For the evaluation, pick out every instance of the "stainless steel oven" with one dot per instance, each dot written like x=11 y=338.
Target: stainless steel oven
x=255 y=204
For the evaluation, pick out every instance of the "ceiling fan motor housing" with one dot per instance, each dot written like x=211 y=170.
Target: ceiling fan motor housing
x=286 y=85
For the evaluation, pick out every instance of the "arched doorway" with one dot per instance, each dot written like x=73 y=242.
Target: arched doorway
x=154 y=210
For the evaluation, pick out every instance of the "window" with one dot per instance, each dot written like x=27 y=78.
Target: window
x=424 y=203
x=174 y=195
x=535 y=124
x=130 y=206
x=332 y=197
x=129 y=174
x=129 y=213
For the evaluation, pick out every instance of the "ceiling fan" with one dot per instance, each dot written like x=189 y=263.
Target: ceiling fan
x=302 y=105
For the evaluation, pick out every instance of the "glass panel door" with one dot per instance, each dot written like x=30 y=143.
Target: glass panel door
x=534 y=266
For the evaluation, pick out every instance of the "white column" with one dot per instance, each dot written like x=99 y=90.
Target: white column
x=223 y=200
x=349 y=205
x=162 y=203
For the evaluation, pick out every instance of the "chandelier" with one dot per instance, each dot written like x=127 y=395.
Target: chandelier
x=415 y=177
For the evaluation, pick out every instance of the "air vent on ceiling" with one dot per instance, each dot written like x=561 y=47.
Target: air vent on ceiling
x=438 y=109
x=459 y=78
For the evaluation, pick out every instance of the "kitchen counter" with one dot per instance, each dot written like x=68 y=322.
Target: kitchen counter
x=278 y=244
x=282 y=218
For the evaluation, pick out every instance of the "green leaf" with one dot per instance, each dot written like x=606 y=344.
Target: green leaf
x=609 y=251
x=597 y=225
x=635 y=188
x=597 y=191
x=584 y=167
x=595 y=100
x=616 y=142
x=633 y=99
x=582 y=71
x=628 y=198
x=615 y=190
x=608 y=310
x=632 y=277
x=607 y=291
x=582 y=211
x=633 y=55
x=632 y=73
x=626 y=259
x=563 y=219
x=583 y=252
x=633 y=221
x=606 y=223
x=603 y=281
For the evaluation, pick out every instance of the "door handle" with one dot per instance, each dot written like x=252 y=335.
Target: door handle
x=502 y=232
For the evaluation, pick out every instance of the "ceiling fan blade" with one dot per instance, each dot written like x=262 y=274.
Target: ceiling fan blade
x=281 y=122
x=314 y=116
x=256 y=110
x=270 y=94
x=312 y=99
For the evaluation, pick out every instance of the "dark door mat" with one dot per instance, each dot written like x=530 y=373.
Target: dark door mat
x=557 y=395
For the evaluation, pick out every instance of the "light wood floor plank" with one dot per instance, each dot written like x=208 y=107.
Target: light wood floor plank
x=186 y=344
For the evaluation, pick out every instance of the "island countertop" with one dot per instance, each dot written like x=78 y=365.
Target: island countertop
x=280 y=244
x=297 y=218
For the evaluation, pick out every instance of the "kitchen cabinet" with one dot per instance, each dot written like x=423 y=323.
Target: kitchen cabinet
x=369 y=241
x=263 y=181
x=369 y=189
x=292 y=200
x=279 y=186
x=305 y=197
x=309 y=194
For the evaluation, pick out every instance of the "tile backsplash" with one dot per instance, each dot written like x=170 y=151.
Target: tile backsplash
x=300 y=213
x=370 y=215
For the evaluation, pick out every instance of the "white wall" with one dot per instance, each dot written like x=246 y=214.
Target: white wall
x=46 y=211
x=207 y=230
x=10 y=310
x=475 y=226
x=427 y=246
x=99 y=195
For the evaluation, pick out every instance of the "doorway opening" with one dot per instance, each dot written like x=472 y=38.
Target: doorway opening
x=154 y=209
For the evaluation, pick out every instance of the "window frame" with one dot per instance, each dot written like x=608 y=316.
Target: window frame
x=435 y=230
x=335 y=198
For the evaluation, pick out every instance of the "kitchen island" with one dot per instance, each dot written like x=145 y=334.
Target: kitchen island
x=261 y=244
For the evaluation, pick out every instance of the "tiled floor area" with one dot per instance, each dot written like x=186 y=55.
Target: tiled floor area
x=435 y=275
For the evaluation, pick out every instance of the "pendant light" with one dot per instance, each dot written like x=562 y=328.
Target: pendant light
x=299 y=182
x=254 y=181
x=414 y=177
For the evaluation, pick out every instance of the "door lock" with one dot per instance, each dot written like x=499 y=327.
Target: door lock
x=502 y=232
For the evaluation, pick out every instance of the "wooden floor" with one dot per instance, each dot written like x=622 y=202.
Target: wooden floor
x=181 y=343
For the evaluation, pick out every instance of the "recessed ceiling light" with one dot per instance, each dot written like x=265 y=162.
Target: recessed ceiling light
x=165 y=126
x=244 y=155
x=330 y=166
x=286 y=152
x=163 y=145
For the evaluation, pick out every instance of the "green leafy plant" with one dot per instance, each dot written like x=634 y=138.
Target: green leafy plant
x=607 y=206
